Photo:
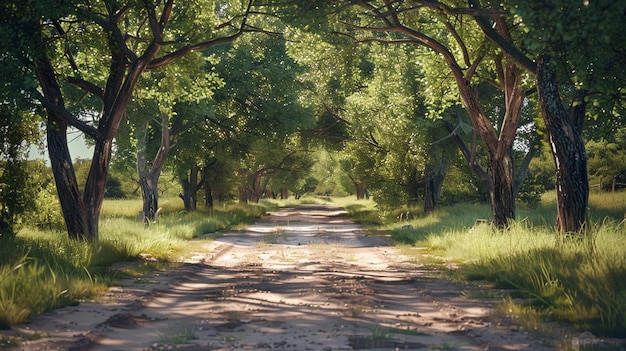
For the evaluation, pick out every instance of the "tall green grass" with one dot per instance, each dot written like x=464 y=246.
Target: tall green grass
x=582 y=282
x=43 y=270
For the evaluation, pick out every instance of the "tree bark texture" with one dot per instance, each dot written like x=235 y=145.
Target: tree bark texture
x=502 y=196
x=254 y=189
x=564 y=129
x=190 y=189
x=71 y=200
x=149 y=175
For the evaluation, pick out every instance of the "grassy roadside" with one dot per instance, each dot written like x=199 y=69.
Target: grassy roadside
x=579 y=282
x=43 y=270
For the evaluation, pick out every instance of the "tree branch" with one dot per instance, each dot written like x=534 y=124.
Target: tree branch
x=86 y=86
x=177 y=54
x=499 y=40
x=69 y=118
x=111 y=26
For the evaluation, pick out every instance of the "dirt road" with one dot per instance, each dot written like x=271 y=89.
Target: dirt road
x=302 y=278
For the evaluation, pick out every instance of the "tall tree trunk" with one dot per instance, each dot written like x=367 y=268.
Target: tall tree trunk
x=500 y=182
x=71 y=200
x=190 y=189
x=95 y=187
x=254 y=190
x=502 y=196
x=564 y=129
x=208 y=192
x=149 y=176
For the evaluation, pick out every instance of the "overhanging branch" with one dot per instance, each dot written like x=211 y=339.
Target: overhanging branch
x=69 y=118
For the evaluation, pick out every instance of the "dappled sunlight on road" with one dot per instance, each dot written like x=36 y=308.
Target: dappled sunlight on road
x=303 y=278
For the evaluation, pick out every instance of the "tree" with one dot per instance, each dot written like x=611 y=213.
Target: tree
x=259 y=112
x=468 y=59
x=387 y=119
x=576 y=51
x=79 y=58
x=177 y=88
x=607 y=161
x=333 y=69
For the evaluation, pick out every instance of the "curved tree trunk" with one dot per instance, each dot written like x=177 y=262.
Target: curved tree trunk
x=95 y=187
x=254 y=190
x=500 y=184
x=568 y=149
x=149 y=177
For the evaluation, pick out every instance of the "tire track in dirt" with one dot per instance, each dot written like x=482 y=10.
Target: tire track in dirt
x=302 y=278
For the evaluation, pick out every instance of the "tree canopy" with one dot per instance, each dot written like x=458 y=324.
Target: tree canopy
x=221 y=89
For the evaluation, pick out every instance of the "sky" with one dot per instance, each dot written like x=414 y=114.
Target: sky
x=76 y=143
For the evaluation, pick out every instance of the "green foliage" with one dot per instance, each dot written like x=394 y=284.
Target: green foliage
x=17 y=194
x=332 y=68
x=606 y=160
x=585 y=40
x=252 y=130
x=38 y=274
x=330 y=178
x=386 y=150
